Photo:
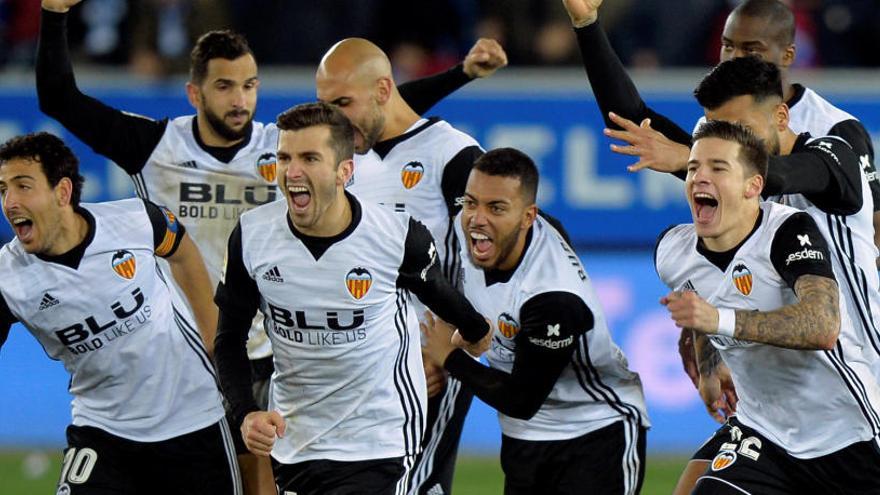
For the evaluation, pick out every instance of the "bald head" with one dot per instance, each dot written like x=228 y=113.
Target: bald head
x=354 y=60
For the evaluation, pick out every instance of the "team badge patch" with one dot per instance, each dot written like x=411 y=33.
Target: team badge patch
x=507 y=325
x=411 y=174
x=266 y=166
x=124 y=264
x=724 y=459
x=742 y=279
x=358 y=282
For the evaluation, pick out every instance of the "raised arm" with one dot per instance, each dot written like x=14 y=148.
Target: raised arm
x=6 y=320
x=483 y=59
x=125 y=138
x=551 y=325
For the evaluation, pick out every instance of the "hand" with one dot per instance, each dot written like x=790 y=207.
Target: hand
x=719 y=393
x=259 y=430
x=475 y=349
x=485 y=57
x=435 y=376
x=438 y=339
x=60 y=6
x=655 y=151
x=688 y=356
x=582 y=12
x=688 y=310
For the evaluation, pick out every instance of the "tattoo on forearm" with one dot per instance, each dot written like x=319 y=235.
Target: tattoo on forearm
x=708 y=356
x=811 y=323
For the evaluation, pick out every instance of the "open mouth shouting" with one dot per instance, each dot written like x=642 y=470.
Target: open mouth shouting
x=482 y=246
x=300 y=197
x=705 y=206
x=24 y=228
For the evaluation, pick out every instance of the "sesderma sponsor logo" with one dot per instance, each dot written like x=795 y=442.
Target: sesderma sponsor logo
x=552 y=344
x=805 y=254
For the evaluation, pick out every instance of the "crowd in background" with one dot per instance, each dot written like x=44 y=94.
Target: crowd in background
x=152 y=37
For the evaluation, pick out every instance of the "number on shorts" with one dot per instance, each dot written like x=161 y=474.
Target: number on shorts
x=78 y=465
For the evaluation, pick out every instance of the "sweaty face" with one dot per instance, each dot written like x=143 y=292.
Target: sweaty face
x=309 y=176
x=716 y=188
x=746 y=36
x=760 y=118
x=359 y=104
x=30 y=204
x=492 y=220
x=228 y=96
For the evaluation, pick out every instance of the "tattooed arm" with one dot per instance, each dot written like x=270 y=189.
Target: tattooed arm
x=715 y=382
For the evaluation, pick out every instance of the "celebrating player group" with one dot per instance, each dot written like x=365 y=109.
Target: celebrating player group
x=322 y=334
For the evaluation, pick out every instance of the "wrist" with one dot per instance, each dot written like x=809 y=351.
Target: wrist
x=56 y=9
x=584 y=22
x=726 y=322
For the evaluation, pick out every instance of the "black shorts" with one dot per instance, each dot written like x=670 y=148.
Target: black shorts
x=325 y=477
x=609 y=461
x=98 y=463
x=744 y=461
x=435 y=465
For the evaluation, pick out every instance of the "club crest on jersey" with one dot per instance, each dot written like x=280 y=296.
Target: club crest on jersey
x=124 y=264
x=358 y=282
x=724 y=459
x=266 y=166
x=411 y=174
x=507 y=325
x=742 y=279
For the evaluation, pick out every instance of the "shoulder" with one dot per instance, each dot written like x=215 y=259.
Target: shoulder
x=815 y=114
x=263 y=215
x=448 y=137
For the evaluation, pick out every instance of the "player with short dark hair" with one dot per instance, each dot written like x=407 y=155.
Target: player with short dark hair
x=211 y=166
x=754 y=281
x=572 y=414
x=418 y=166
x=334 y=278
x=83 y=279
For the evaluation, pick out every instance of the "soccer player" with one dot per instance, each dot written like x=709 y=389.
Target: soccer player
x=334 y=278
x=83 y=279
x=418 y=166
x=755 y=282
x=211 y=166
x=572 y=414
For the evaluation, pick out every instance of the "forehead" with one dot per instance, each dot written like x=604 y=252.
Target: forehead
x=315 y=138
x=493 y=187
x=20 y=166
x=742 y=108
x=331 y=86
x=240 y=69
x=708 y=149
x=743 y=29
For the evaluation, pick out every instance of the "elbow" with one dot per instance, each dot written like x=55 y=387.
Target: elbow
x=828 y=339
x=523 y=409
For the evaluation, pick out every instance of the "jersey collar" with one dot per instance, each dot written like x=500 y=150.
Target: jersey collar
x=382 y=148
x=73 y=257
x=319 y=245
x=722 y=259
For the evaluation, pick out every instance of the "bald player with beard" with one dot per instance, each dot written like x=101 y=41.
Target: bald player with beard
x=419 y=166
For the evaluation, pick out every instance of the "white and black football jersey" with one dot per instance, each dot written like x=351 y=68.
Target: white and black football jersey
x=422 y=172
x=138 y=367
x=594 y=387
x=209 y=195
x=810 y=403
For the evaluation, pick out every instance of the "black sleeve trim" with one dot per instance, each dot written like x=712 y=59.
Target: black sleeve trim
x=237 y=293
x=233 y=367
x=614 y=89
x=424 y=93
x=551 y=323
x=6 y=320
x=855 y=134
x=455 y=176
x=167 y=229
x=657 y=245
x=826 y=172
x=799 y=248
x=127 y=139
x=420 y=273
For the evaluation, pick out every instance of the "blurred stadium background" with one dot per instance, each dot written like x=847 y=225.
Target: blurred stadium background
x=132 y=55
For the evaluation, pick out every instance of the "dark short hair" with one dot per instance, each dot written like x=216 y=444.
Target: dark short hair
x=56 y=160
x=510 y=162
x=752 y=151
x=322 y=114
x=223 y=44
x=778 y=16
x=739 y=77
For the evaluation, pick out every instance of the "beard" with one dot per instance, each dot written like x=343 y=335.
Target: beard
x=372 y=132
x=222 y=129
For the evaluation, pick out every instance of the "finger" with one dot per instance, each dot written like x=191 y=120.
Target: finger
x=626 y=136
x=626 y=150
x=646 y=124
x=279 y=423
x=626 y=124
x=639 y=165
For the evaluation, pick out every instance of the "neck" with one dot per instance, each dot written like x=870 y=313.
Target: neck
x=398 y=118
x=210 y=137
x=786 y=142
x=787 y=86
x=737 y=234
x=72 y=230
